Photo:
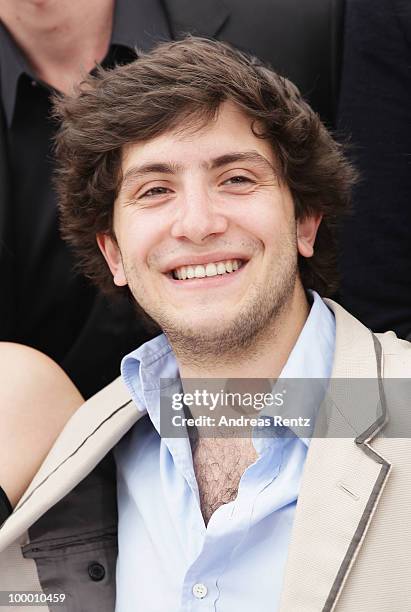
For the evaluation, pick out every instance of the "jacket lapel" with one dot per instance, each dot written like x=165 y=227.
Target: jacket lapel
x=199 y=18
x=89 y=435
x=343 y=477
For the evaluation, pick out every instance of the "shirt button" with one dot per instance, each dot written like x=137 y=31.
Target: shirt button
x=199 y=590
x=96 y=571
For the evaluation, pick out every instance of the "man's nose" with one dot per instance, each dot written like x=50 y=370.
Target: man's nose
x=198 y=218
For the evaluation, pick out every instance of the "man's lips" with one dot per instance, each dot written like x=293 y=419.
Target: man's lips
x=211 y=275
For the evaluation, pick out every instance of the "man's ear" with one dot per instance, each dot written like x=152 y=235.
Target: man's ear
x=109 y=247
x=307 y=228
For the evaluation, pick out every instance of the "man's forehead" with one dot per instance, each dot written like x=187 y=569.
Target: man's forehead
x=194 y=139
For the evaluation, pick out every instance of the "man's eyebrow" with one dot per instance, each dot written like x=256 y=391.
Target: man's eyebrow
x=244 y=156
x=135 y=173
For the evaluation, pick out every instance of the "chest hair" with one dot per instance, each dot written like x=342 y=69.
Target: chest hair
x=219 y=464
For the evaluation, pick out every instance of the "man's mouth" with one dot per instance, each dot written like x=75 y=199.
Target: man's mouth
x=208 y=269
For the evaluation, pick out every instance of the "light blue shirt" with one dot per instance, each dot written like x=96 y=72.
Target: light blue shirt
x=169 y=561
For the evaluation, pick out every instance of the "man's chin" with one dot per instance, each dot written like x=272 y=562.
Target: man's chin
x=209 y=339
x=196 y=331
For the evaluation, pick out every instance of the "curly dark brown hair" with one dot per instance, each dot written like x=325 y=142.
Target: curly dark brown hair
x=186 y=81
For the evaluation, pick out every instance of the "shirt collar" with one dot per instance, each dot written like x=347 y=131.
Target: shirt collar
x=143 y=368
x=313 y=354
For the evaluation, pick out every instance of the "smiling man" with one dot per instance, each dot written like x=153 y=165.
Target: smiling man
x=199 y=182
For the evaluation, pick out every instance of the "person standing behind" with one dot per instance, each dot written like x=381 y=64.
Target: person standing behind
x=47 y=47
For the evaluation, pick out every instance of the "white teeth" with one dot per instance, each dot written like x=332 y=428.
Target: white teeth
x=210 y=269
x=199 y=272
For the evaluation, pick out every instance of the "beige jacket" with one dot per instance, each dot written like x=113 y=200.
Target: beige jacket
x=351 y=542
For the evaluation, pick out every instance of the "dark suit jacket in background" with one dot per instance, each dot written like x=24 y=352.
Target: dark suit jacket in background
x=375 y=111
x=300 y=39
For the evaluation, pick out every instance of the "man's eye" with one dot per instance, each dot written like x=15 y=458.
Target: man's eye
x=238 y=180
x=154 y=191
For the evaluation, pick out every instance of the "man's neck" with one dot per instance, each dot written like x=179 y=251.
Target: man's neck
x=269 y=355
x=62 y=40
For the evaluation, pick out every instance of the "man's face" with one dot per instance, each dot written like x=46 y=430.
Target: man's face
x=206 y=235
